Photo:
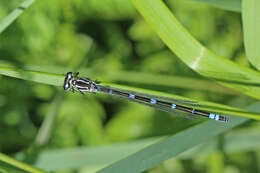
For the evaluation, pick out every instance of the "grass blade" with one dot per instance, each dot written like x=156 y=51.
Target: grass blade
x=41 y=77
x=193 y=54
x=45 y=131
x=137 y=77
x=232 y=5
x=14 y=14
x=93 y=157
x=167 y=81
x=170 y=147
x=240 y=140
x=75 y=158
x=251 y=26
x=57 y=80
x=13 y=165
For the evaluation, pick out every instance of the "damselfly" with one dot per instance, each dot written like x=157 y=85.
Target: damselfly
x=73 y=82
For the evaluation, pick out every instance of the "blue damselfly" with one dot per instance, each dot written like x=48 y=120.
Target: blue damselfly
x=73 y=82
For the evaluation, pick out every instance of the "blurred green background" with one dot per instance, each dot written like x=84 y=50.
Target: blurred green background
x=109 y=41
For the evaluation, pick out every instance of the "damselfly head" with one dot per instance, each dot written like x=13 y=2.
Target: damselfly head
x=67 y=81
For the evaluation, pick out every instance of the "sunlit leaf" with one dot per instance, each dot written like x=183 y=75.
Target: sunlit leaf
x=95 y=158
x=15 y=14
x=9 y=164
x=58 y=79
x=232 y=5
x=251 y=26
x=41 y=77
x=195 y=55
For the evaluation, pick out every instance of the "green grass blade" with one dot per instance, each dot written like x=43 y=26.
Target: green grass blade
x=193 y=54
x=54 y=160
x=41 y=77
x=45 y=131
x=11 y=165
x=57 y=80
x=93 y=157
x=251 y=27
x=167 y=81
x=138 y=77
x=240 y=140
x=170 y=147
x=232 y=5
x=14 y=14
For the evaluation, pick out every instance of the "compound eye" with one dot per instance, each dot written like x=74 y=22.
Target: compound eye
x=66 y=86
x=69 y=75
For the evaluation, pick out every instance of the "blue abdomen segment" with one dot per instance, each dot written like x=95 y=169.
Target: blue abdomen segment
x=131 y=96
x=214 y=116
x=153 y=101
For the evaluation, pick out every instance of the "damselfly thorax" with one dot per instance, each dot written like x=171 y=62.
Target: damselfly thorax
x=72 y=82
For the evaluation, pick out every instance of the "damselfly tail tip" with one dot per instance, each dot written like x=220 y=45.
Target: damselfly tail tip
x=218 y=117
x=226 y=119
x=223 y=119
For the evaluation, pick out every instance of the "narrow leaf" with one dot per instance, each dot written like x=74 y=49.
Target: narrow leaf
x=14 y=14
x=170 y=147
x=41 y=77
x=232 y=5
x=92 y=157
x=168 y=81
x=98 y=157
x=13 y=165
x=251 y=27
x=57 y=80
x=193 y=54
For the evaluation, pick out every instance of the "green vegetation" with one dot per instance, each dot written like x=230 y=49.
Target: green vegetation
x=194 y=49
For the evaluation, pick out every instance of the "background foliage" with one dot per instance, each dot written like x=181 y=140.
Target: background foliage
x=110 y=41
